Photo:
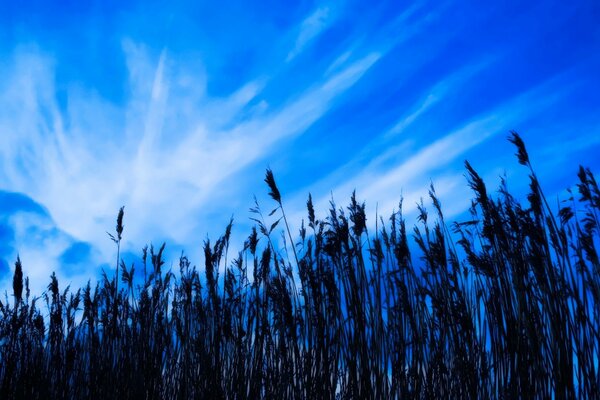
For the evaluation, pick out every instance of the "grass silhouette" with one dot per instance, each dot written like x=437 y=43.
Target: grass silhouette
x=503 y=305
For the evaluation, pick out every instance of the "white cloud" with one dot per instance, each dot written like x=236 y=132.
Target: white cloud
x=309 y=29
x=383 y=184
x=164 y=154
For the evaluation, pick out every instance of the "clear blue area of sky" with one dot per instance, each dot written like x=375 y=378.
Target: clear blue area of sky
x=174 y=109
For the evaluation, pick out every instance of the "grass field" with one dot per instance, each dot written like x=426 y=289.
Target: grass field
x=505 y=304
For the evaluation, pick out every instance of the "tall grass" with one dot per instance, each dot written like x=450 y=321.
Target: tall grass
x=505 y=304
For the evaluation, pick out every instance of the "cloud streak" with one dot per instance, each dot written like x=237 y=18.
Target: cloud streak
x=163 y=179
x=384 y=183
x=309 y=29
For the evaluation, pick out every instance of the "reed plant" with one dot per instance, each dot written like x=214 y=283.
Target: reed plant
x=503 y=304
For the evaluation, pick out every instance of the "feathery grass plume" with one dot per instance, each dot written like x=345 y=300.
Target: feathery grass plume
x=119 y=227
x=311 y=211
x=357 y=216
x=522 y=155
x=117 y=240
x=18 y=281
x=273 y=190
x=276 y=195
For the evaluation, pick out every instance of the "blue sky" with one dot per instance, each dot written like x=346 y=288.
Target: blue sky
x=175 y=110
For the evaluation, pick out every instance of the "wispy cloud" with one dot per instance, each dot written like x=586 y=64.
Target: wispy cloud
x=310 y=28
x=435 y=94
x=383 y=181
x=164 y=178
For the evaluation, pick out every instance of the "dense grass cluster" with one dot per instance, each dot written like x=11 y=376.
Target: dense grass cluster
x=503 y=305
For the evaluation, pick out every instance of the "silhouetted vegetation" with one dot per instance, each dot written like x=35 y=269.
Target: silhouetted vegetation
x=503 y=305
